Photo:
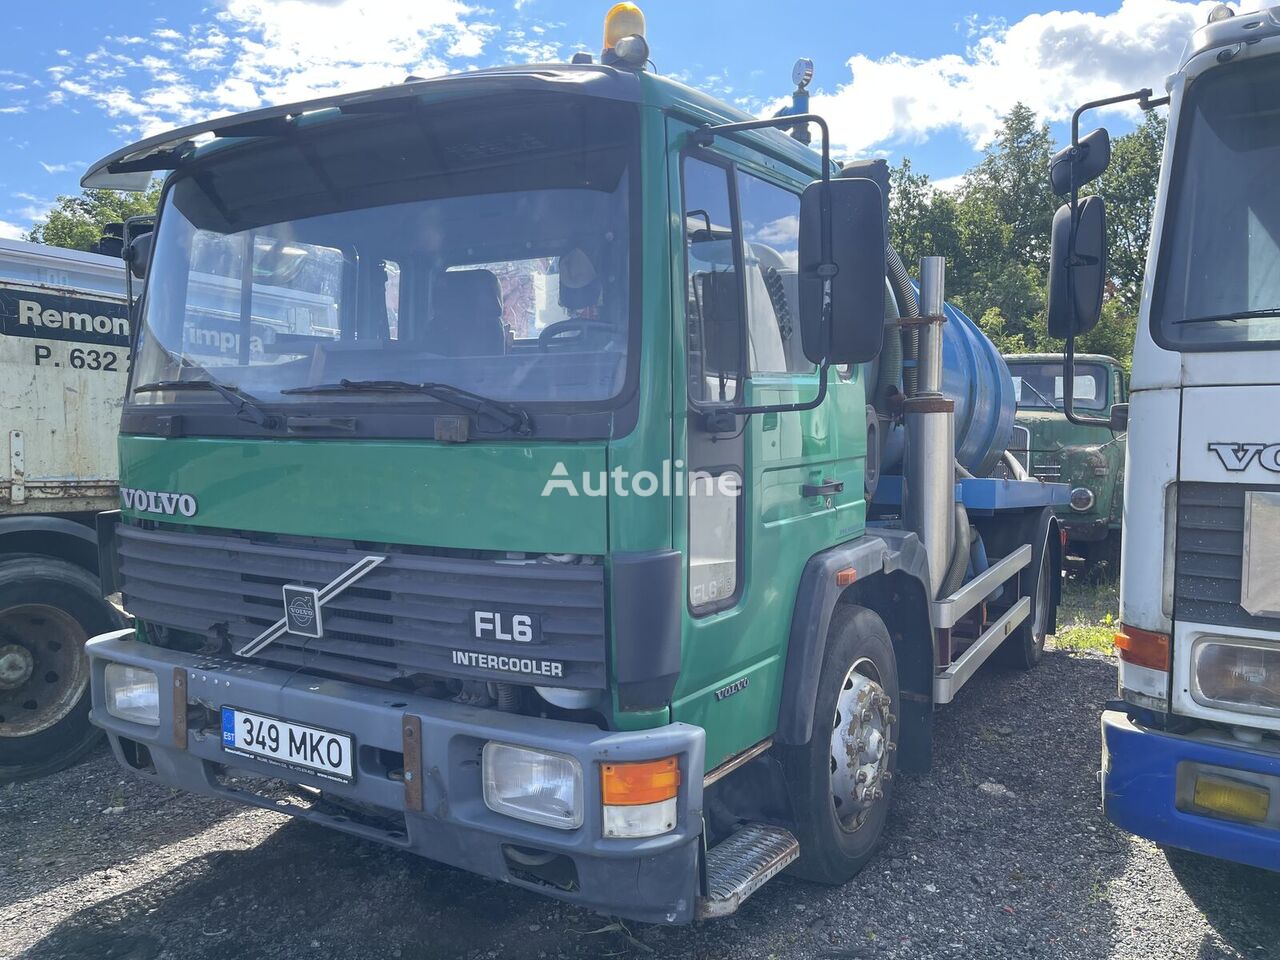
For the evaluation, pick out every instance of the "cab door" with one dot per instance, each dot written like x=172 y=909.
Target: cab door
x=765 y=491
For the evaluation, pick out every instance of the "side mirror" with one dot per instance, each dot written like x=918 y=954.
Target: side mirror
x=1085 y=162
x=1077 y=272
x=849 y=326
x=1120 y=417
x=137 y=255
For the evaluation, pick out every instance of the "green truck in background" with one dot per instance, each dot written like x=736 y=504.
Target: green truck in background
x=1089 y=459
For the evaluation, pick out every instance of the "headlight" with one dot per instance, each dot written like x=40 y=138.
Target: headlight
x=132 y=693
x=1237 y=676
x=533 y=785
x=1082 y=499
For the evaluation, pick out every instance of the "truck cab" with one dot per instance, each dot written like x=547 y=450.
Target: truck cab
x=549 y=555
x=1191 y=745
x=1089 y=459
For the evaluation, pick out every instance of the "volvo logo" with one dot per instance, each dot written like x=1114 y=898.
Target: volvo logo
x=302 y=611
x=161 y=502
x=1237 y=457
x=302 y=607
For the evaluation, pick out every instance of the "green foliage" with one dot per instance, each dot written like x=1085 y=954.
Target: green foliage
x=994 y=231
x=78 y=222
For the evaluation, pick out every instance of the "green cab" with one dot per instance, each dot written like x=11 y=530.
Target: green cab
x=1090 y=459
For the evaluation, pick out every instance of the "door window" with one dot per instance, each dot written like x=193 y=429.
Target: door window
x=713 y=314
x=770 y=218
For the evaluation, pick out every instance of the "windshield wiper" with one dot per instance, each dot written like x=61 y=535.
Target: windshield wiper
x=510 y=415
x=1032 y=386
x=1233 y=316
x=248 y=407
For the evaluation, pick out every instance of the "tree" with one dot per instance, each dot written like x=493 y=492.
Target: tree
x=78 y=222
x=922 y=219
x=1012 y=180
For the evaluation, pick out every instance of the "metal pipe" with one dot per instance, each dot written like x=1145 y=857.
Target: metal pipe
x=929 y=418
x=932 y=288
x=930 y=509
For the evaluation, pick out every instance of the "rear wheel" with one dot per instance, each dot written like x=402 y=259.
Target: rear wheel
x=48 y=609
x=1024 y=647
x=840 y=782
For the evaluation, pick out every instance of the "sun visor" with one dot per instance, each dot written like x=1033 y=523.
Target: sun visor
x=132 y=167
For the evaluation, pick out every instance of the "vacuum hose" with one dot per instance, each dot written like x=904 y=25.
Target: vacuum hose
x=908 y=306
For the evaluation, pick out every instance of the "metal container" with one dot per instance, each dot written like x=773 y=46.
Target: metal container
x=975 y=376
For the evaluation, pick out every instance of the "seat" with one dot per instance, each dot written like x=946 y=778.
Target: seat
x=466 y=315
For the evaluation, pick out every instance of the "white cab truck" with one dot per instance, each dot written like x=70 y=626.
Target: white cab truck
x=64 y=357
x=1191 y=747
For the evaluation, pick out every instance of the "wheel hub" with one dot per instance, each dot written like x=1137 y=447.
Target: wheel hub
x=16 y=666
x=43 y=669
x=861 y=740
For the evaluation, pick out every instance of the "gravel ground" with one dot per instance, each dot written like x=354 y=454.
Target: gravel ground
x=1030 y=871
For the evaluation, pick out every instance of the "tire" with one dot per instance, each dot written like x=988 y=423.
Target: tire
x=48 y=609
x=1023 y=649
x=1104 y=558
x=838 y=837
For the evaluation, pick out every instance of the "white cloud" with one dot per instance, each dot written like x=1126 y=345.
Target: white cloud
x=1052 y=62
x=258 y=52
x=11 y=231
x=61 y=167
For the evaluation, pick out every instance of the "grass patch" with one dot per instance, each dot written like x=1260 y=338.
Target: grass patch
x=1087 y=615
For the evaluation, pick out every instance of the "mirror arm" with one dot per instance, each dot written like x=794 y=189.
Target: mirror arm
x=711 y=415
x=1069 y=391
x=1145 y=102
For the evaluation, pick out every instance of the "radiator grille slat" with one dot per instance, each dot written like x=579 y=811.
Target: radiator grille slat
x=1206 y=586
x=407 y=616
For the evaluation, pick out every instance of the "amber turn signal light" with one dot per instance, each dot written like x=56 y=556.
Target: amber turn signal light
x=1143 y=648
x=649 y=781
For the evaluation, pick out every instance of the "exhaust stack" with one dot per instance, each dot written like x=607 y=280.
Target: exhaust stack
x=929 y=419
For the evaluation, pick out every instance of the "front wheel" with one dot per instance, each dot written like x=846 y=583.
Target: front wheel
x=840 y=782
x=48 y=609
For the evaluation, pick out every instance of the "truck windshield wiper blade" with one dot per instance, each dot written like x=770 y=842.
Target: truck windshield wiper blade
x=248 y=407
x=510 y=415
x=1052 y=405
x=1232 y=317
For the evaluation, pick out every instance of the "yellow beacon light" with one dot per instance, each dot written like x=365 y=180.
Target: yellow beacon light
x=622 y=20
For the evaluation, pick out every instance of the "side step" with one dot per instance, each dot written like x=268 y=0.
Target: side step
x=740 y=865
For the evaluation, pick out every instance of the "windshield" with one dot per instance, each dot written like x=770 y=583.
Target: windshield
x=487 y=250
x=1217 y=283
x=1038 y=386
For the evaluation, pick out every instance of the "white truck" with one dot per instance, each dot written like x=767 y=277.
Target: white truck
x=1191 y=748
x=64 y=358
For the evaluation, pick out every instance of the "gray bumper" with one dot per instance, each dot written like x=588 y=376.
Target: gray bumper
x=443 y=817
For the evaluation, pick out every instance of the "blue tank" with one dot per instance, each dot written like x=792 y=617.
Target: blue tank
x=977 y=378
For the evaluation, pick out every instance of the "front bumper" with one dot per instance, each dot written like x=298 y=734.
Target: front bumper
x=443 y=817
x=1083 y=529
x=1139 y=788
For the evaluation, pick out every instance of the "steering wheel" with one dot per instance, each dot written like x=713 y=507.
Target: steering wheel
x=574 y=330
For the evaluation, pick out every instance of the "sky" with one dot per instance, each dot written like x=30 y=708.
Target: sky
x=929 y=80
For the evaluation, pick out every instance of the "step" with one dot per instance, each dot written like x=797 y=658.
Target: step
x=740 y=865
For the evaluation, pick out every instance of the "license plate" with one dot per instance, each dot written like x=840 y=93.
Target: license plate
x=293 y=745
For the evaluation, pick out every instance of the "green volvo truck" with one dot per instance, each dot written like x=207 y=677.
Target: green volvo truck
x=576 y=544
x=1087 y=458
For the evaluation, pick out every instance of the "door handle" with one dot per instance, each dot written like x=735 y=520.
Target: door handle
x=824 y=489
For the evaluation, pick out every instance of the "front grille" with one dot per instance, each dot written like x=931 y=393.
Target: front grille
x=406 y=617
x=1208 y=561
x=1046 y=467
